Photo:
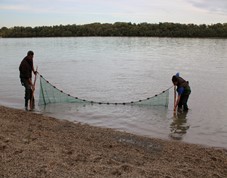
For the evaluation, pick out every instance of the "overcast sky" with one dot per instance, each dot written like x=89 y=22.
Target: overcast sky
x=55 y=12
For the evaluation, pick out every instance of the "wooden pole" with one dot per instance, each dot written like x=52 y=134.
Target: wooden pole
x=32 y=100
x=175 y=94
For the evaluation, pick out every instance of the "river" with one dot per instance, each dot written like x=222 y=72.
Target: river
x=116 y=69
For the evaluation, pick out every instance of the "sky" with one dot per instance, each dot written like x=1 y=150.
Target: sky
x=63 y=12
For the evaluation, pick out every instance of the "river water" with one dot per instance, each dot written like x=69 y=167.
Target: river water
x=116 y=69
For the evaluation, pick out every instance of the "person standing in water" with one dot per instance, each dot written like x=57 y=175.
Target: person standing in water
x=183 y=91
x=26 y=68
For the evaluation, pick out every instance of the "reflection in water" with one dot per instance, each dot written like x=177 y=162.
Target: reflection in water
x=179 y=125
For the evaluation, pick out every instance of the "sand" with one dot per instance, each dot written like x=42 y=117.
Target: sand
x=33 y=145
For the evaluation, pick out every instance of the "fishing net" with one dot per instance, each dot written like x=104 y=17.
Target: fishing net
x=51 y=94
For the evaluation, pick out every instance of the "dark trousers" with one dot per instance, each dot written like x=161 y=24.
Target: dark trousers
x=183 y=102
x=28 y=90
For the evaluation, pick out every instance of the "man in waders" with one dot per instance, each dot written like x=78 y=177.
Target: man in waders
x=26 y=68
x=183 y=91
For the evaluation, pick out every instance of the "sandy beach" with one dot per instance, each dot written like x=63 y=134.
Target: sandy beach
x=33 y=145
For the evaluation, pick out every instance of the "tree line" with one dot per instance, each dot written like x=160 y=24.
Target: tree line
x=119 y=29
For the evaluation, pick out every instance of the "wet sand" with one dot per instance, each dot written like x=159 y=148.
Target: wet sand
x=33 y=145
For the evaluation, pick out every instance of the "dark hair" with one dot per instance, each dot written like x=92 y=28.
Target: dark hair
x=30 y=53
x=174 y=79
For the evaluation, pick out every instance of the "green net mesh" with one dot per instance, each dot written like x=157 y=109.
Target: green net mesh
x=51 y=94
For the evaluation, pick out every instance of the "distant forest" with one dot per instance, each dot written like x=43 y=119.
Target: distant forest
x=119 y=29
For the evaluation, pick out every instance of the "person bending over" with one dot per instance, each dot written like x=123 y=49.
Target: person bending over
x=183 y=92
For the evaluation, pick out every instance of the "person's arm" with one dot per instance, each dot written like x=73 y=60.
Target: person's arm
x=176 y=103
x=34 y=71
x=180 y=92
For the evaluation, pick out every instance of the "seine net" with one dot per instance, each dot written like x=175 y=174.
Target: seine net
x=50 y=94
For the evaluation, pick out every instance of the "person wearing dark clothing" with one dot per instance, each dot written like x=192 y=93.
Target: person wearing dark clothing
x=183 y=91
x=26 y=68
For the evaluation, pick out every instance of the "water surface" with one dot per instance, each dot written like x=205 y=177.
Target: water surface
x=127 y=69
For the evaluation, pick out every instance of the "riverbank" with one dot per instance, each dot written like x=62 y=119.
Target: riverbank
x=33 y=145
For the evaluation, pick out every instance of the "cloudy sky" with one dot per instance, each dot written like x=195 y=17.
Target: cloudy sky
x=55 y=12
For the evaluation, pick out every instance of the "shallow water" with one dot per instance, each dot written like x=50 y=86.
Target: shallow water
x=126 y=69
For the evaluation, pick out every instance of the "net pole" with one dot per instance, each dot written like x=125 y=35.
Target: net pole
x=175 y=94
x=41 y=90
x=32 y=99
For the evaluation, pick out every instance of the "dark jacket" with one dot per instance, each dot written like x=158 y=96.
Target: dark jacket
x=26 y=68
x=185 y=84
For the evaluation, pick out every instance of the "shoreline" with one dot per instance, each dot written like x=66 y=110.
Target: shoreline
x=34 y=145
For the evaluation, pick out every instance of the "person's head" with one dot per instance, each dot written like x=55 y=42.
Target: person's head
x=30 y=54
x=174 y=80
